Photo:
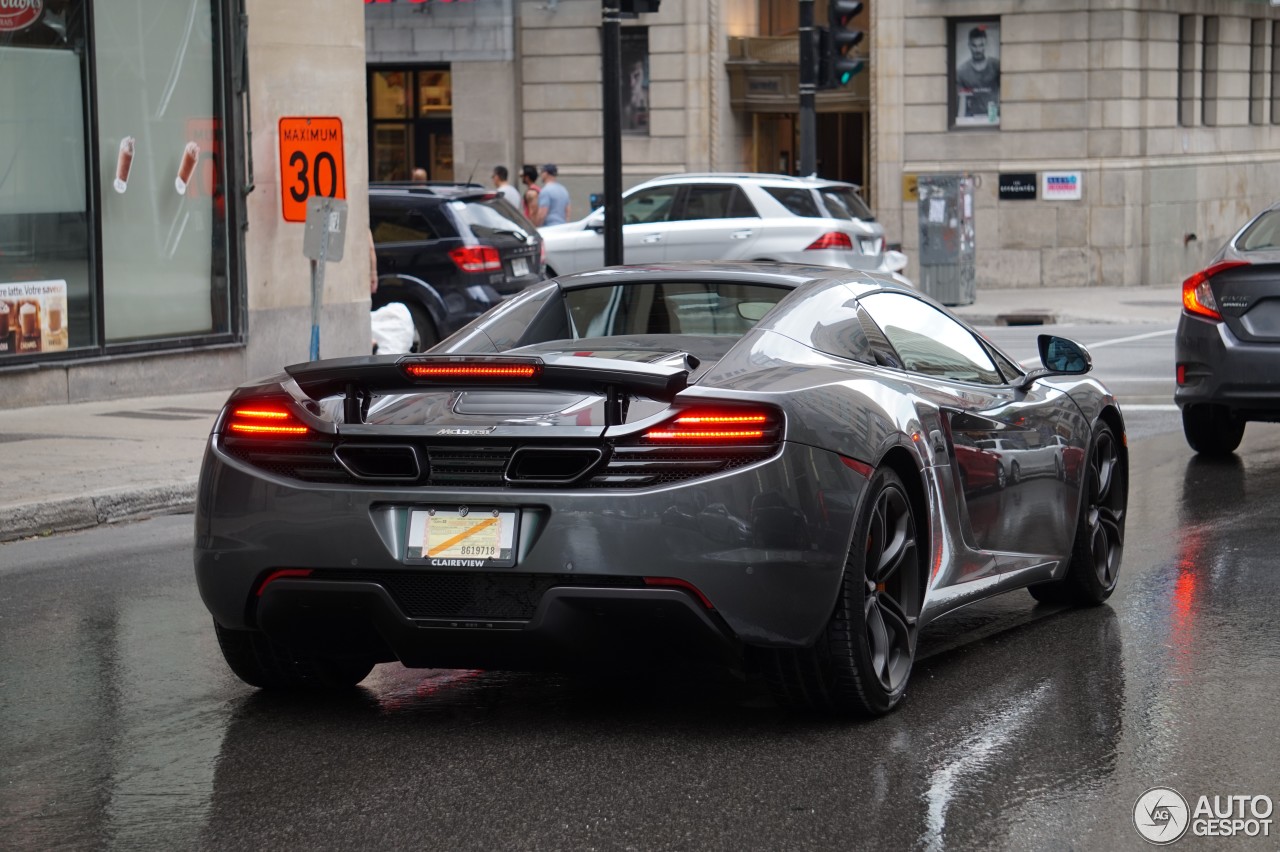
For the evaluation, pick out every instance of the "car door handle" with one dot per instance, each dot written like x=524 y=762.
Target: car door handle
x=652 y=238
x=741 y=235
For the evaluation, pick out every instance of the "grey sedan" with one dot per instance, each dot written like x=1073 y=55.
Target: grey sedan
x=1227 y=352
x=742 y=464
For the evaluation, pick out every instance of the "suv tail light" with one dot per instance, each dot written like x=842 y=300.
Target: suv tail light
x=1197 y=296
x=476 y=259
x=831 y=240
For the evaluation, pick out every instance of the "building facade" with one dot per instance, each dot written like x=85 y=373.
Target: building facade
x=142 y=243
x=1113 y=142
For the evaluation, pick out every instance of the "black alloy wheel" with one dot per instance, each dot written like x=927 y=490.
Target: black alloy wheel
x=1094 y=568
x=863 y=661
x=1211 y=430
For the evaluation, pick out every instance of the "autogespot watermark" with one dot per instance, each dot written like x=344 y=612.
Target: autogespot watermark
x=1162 y=816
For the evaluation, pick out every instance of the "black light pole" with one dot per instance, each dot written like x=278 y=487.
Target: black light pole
x=808 y=85
x=612 y=56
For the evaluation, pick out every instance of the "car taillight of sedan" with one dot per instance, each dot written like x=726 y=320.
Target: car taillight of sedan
x=1197 y=295
x=477 y=259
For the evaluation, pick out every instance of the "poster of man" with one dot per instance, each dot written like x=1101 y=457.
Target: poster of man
x=977 y=73
x=635 y=80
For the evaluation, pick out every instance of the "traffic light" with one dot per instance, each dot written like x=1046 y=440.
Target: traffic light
x=835 y=44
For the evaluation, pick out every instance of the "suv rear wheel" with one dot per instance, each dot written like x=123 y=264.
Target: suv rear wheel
x=1212 y=430
x=424 y=330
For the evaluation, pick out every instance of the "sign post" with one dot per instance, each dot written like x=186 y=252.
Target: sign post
x=322 y=241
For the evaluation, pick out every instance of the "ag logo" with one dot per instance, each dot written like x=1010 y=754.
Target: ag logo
x=1161 y=815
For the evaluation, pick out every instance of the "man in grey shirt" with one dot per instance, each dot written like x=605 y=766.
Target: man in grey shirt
x=553 y=201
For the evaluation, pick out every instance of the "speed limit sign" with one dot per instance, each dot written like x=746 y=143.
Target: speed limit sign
x=310 y=163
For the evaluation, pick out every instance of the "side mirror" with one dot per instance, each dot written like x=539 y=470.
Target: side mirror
x=596 y=223
x=1060 y=355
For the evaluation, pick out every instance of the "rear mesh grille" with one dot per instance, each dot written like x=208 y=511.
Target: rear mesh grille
x=480 y=595
x=472 y=466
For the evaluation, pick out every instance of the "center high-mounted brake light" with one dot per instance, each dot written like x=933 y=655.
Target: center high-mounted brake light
x=265 y=420
x=476 y=259
x=1197 y=295
x=714 y=426
x=831 y=240
x=481 y=370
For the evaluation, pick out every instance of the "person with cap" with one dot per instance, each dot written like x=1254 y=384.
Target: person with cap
x=553 y=201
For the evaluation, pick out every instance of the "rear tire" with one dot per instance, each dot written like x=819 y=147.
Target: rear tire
x=1094 y=568
x=1211 y=430
x=424 y=330
x=862 y=661
x=262 y=662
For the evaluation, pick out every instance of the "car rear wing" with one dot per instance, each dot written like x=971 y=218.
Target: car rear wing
x=615 y=379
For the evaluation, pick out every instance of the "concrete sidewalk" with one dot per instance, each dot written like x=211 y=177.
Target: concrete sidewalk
x=66 y=467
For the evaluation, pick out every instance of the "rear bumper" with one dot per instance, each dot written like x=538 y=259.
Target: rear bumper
x=1222 y=369
x=763 y=543
x=573 y=627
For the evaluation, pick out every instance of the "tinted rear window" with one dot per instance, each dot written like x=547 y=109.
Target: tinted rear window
x=493 y=217
x=671 y=307
x=843 y=203
x=392 y=223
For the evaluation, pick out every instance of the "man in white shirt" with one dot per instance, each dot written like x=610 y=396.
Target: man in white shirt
x=505 y=189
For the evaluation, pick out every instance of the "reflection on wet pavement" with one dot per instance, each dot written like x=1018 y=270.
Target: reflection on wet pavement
x=1025 y=727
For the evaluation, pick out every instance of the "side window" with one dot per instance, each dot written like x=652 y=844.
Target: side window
x=707 y=202
x=740 y=207
x=929 y=341
x=649 y=205
x=393 y=224
x=799 y=202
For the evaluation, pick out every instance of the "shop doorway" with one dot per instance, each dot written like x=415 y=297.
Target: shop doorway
x=410 y=123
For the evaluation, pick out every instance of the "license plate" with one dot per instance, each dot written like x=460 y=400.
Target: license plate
x=520 y=266
x=462 y=538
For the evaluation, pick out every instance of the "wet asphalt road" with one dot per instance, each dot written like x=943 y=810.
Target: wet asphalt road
x=1025 y=727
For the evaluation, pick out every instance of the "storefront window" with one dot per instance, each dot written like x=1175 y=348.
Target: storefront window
x=113 y=221
x=46 y=286
x=163 y=216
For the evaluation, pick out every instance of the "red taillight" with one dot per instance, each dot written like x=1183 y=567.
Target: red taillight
x=265 y=420
x=1197 y=296
x=477 y=259
x=832 y=240
x=677 y=583
x=745 y=426
x=283 y=572
x=481 y=370
x=1182 y=374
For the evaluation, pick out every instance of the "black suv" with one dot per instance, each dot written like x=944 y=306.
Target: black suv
x=449 y=252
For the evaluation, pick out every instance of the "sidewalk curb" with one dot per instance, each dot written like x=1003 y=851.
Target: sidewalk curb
x=108 y=507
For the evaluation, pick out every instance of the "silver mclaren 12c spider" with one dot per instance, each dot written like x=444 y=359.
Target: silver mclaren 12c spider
x=782 y=469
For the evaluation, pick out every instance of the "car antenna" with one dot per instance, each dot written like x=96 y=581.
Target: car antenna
x=473 y=172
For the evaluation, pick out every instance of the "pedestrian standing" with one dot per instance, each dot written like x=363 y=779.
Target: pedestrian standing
x=529 y=198
x=553 y=201
x=505 y=189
